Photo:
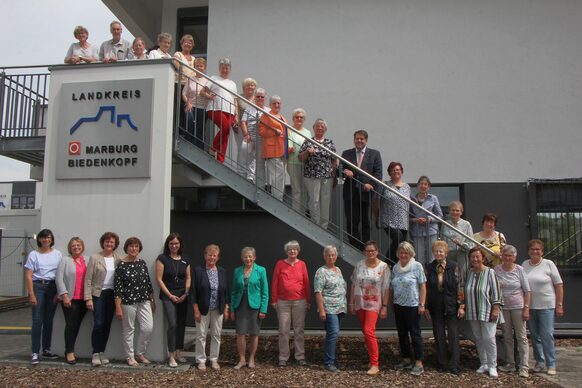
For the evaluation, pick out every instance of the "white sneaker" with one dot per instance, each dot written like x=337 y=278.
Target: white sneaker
x=482 y=369
x=104 y=359
x=493 y=373
x=96 y=360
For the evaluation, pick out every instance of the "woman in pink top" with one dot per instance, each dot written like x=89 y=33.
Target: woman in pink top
x=70 y=289
x=291 y=297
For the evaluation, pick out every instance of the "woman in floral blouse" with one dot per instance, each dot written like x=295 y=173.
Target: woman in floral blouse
x=369 y=298
x=394 y=216
x=319 y=172
x=330 y=296
x=134 y=299
x=408 y=286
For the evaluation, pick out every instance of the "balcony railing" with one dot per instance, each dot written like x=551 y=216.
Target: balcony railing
x=23 y=101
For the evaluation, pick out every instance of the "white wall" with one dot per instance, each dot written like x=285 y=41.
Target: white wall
x=463 y=91
x=129 y=207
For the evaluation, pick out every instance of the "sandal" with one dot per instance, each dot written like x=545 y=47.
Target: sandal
x=239 y=365
x=141 y=358
x=131 y=362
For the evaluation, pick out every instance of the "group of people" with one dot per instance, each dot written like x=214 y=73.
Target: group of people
x=119 y=49
x=445 y=280
x=109 y=284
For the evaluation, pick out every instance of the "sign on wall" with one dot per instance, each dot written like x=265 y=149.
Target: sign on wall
x=105 y=130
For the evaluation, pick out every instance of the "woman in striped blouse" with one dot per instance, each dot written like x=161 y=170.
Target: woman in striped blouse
x=483 y=301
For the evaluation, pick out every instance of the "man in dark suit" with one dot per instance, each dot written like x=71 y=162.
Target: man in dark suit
x=359 y=189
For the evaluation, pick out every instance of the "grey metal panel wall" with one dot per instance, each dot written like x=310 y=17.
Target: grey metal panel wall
x=234 y=230
x=509 y=201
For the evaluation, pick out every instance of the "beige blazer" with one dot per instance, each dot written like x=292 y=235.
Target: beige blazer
x=95 y=275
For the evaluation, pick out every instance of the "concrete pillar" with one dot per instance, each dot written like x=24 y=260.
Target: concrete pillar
x=94 y=107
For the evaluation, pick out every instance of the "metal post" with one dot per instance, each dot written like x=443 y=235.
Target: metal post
x=2 y=102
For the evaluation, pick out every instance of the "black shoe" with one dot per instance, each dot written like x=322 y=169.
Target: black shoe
x=72 y=362
x=455 y=371
x=441 y=369
x=48 y=354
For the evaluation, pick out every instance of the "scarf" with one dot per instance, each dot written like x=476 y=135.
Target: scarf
x=400 y=269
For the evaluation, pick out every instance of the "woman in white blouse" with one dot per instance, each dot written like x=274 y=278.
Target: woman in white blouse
x=547 y=302
x=164 y=43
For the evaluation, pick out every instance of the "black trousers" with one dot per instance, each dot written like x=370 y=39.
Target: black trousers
x=447 y=345
x=73 y=318
x=176 y=317
x=396 y=237
x=408 y=322
x=357 y=212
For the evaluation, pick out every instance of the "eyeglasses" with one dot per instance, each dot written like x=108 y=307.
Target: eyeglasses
x=370 y=250
x=259 y=96
x=299 y=117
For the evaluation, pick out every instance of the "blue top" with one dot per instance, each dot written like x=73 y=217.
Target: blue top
x=405 y=285
x=43 y=265
x=430 y=203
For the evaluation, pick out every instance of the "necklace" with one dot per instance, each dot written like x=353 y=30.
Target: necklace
x=176 y=267
x=534 y=264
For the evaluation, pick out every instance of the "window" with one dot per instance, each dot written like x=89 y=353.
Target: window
x=556 y=219
x=194 y=21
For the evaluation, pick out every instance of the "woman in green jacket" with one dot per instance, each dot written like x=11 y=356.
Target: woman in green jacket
x=249 y=301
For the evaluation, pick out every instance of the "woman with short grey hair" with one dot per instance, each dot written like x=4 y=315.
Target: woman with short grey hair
x=516 y=297
x=319 y=172
x=222 y=107
x=291 y=297
x=330 y=295
x=294 y=165
x=163 y=51
x=82 y=52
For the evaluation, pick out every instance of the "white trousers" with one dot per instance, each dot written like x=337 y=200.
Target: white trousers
x=319 y=199
x=212 y=320
x=246 y=160
x=142 y=312
x=485 y=341
x=276 y=176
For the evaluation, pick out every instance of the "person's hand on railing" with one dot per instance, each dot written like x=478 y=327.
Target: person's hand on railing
x=348 y=173
x=367 y=187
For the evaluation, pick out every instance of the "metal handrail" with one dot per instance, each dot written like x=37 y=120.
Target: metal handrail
x=24 y=88
x=338 y=157
x=563 y=243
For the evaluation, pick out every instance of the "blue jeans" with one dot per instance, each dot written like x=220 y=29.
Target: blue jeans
x=42 y=315
x=103 y=311
x=541 y=329
x=332 y=329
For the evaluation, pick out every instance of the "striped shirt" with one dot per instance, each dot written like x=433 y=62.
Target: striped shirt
x=481 y=293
